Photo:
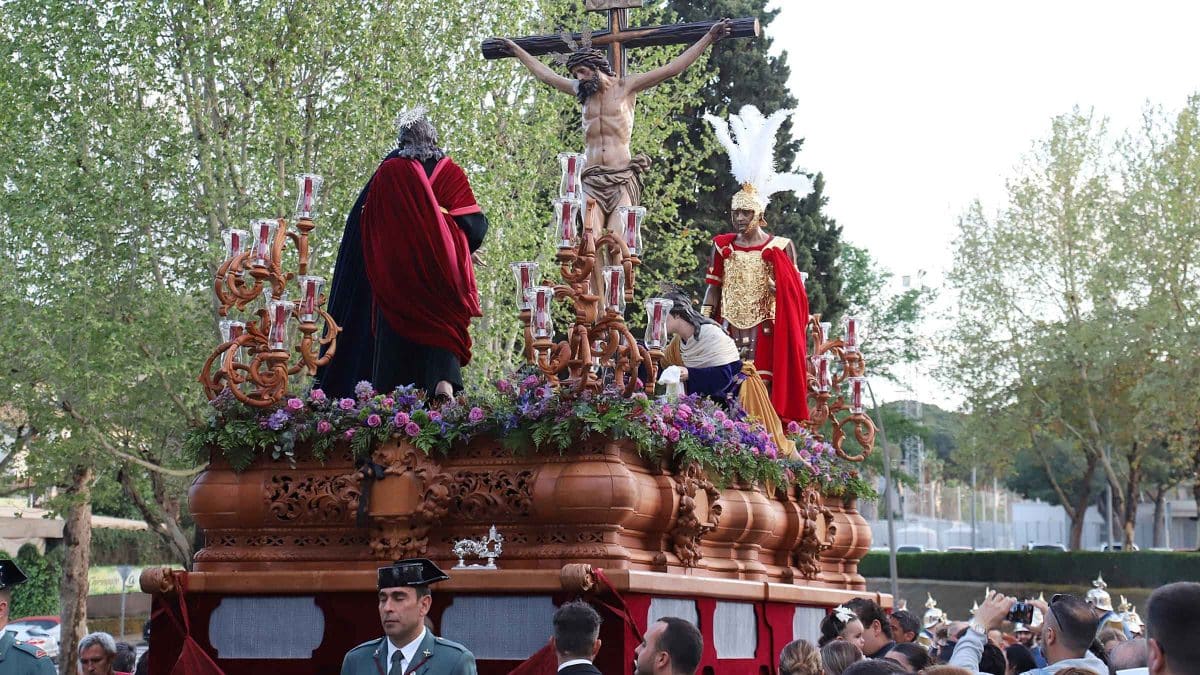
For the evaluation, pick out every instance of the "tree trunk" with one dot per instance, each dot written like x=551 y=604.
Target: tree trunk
x=1160 y=503
x=1133 y=486
x=1079 y=512
x=162 y=515
x=77 y=542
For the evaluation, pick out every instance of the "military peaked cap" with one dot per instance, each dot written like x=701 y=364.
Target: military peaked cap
x=10 y=574
x=411 y=572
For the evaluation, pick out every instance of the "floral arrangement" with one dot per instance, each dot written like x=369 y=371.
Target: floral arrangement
x=521 y=412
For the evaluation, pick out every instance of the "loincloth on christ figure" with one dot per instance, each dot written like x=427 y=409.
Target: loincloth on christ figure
x=604 y=183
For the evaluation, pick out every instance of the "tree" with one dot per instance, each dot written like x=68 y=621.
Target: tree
x=893 y=318
x=744 y=72
x=134 y=133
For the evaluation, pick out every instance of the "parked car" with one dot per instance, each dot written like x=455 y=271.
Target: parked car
x=42 y=632
x=1118 y=547
x=911 y=548
x=1044 y=547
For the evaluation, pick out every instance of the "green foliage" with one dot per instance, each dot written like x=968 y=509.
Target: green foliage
x=1133 y=569
x=742 y=72
x=128 y=547
x=39 y=595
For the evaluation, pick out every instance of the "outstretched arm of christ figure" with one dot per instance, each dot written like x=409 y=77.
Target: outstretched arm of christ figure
x=643 y=81
x=540 y=70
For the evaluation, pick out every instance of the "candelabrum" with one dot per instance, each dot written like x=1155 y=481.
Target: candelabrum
x=253 y=361
x=826 y=381
x=598 y=278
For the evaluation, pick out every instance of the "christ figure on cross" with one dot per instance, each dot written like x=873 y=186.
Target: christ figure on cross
x=613 y=174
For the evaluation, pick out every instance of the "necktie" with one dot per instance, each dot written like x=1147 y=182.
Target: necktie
x=397 y=667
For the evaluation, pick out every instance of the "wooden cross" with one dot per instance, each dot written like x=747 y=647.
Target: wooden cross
x=619 y=37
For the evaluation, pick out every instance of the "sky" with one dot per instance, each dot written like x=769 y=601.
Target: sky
x=914 y=109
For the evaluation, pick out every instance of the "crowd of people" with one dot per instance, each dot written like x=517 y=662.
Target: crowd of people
x=1068 y=636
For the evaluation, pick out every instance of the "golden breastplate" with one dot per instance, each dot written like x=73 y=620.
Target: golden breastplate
x=746 y=297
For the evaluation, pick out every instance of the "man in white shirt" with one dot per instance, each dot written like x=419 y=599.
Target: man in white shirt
x=576 y=638
x=407 y=647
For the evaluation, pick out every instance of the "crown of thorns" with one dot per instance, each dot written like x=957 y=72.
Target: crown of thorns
x=581 y=50
x=409 y=117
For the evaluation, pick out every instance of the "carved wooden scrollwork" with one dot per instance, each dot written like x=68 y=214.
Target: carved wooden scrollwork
x=808 y=551
x=695 y=517
x=312 y=499
x=494 y=493
x=405 y=534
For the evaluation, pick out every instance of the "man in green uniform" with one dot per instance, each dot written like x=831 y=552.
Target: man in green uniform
x=407 y=648
x=16 y=657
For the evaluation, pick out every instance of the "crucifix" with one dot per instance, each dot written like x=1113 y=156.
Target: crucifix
x=608 y=93
x=619 y=36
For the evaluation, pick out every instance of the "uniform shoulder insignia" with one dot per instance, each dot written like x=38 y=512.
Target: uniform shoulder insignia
x=29 y=649
x=450 y=643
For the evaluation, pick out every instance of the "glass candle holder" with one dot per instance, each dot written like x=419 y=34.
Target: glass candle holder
x=823 y=369
x=231 y=330
x=657 y=310
x=541 y=301
x=308 y=187
x=571 y=183
x=264 y=239
x=567 y=218
x=855 y=327
x=614 y=288
x=857 y=387
x=310 y=296
x=278 y=312
x=235 y=241
x=826 y=328
x=524 y=273
x=631 y=218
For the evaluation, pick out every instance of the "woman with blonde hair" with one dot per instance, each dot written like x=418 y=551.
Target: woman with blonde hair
x=800 y=657
x=838 y=655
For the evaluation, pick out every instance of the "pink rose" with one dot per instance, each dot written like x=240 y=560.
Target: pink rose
x=374 y=420
x=295 y=404
x=349 y=434
x=793 y=428
x=389 y=402
x=400 y=419
x=476 y=415
x=504 y=385
x=324 y=427
x=346 y=404
x=317 y=395
x=673 y=435
x=728 y=424
x=412 y=429
x=435 y=416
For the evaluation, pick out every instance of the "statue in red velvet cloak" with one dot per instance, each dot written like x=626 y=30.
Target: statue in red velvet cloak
x=404 y=286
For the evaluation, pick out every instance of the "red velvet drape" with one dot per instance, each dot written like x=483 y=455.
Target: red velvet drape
x=417 y=258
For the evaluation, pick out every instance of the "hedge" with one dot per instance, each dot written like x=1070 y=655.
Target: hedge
x=39 y=595
x=1134 y=569
x=129 y=547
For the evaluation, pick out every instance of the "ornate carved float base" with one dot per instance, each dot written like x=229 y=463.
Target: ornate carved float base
x=602 y=505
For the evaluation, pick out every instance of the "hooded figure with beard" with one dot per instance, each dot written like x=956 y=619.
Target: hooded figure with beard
x=404 y=286
x=613 y=174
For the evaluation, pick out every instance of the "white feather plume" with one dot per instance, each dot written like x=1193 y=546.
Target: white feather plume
x=749 y=138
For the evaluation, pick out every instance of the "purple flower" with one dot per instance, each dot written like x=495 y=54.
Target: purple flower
x=364 y=389
x=772 y=452
x=728 y=424
x=719 y=416
x=435 y=416
x=793 y=428
x=412 y=429
x=295 y=404
x=389 y=402
x=317 y=395
x=504 y=385
x=476 y=415
x=346 y=404
x=529 y=382
x=324 y=427
x=374 y=420
x=673 y=435
x=278 y=419
x=349 y=434
x=400 y=419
